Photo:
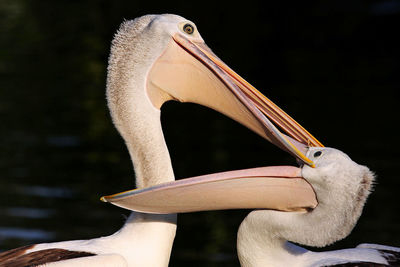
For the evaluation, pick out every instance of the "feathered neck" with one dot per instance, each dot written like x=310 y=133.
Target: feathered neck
x=133 y=114
x=145 y=239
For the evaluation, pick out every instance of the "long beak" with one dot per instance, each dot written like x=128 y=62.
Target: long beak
x=188 y=71
x=279 y=188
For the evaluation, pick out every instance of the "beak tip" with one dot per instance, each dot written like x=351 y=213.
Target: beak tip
x=103 y=199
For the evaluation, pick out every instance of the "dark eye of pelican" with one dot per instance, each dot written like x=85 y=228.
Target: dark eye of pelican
x=317 y=154
x=188 y=28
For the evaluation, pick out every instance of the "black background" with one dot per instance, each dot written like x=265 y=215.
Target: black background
x=332 y=65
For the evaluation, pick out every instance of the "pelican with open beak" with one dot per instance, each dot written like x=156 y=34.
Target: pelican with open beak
x=176 y=64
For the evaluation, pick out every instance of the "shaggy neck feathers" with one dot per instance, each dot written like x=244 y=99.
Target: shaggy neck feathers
x=146 y=239
x=132 y=112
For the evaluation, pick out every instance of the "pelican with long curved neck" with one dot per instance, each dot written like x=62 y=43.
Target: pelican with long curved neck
x=154 y=59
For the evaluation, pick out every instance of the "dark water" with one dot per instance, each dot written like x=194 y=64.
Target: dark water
x=333 y=65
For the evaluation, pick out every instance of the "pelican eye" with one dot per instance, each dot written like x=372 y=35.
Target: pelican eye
x=188 y=28
x=317 y=154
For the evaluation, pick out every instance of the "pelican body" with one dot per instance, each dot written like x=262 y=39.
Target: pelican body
x=154 y=59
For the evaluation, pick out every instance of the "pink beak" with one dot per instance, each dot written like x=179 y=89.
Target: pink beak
x=278 y=188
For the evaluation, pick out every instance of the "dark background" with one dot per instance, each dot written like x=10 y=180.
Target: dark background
x=332 y=65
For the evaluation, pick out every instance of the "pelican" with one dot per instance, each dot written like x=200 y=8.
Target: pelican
x=154 y=59
x=342 y=187
x=317 y=219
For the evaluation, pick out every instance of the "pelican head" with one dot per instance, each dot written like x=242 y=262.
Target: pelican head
x=157 y=58
x=341 y=186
